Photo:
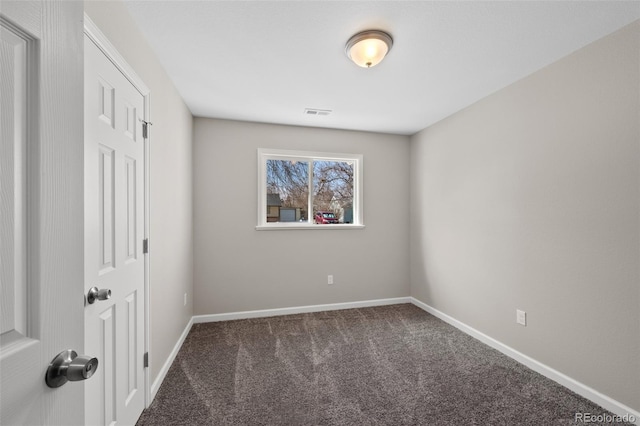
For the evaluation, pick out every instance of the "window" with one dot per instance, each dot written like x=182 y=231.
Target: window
x=299 y=189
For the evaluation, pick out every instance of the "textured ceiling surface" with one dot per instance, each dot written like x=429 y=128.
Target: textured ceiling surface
x=267 y=61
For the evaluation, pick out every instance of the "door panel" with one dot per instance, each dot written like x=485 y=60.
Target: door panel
x=106 y=203
x=114 y=229
x=41 y=199
x=13 y=203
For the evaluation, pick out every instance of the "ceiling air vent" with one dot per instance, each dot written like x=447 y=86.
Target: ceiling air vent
x=315 y=111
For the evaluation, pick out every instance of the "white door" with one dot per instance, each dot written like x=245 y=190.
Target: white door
x=114 y=232
x=41 y=208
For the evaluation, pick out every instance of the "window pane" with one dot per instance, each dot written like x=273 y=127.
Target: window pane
x=299 y=189
x=287 y=190
x=333 y=192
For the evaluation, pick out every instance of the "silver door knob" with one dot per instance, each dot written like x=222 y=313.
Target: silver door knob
x=68 y=366
x=98 y=294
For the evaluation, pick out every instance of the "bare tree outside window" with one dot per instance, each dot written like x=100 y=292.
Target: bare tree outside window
x=333 y=189
x=332 y=186
x=309 y=189
x=290 y=180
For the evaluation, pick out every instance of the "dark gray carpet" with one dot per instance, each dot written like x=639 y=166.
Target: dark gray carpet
x=389 y=365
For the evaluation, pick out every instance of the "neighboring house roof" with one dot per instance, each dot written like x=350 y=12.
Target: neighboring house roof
x=274 y=200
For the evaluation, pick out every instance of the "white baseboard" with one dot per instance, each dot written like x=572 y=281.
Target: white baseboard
x=566 y=381
x=298 y=310
x=167 y=364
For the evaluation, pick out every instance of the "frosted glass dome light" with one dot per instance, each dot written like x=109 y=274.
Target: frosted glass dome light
x=368 y=48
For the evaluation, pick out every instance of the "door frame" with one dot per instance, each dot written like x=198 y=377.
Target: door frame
x=92 y=31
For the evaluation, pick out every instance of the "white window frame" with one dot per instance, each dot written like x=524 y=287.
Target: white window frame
x=307 y=156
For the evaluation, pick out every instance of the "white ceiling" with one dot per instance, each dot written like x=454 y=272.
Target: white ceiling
x=267 y=61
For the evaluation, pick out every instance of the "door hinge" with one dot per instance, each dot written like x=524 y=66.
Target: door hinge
x=145 y=246
x=145 y=128
x=146 y=359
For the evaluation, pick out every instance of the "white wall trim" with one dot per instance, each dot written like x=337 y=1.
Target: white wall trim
x=167 y=364
x=298 y=310
x=97 y=36
x=566 y=381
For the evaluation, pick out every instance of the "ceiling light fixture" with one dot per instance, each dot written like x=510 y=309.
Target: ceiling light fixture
x=368 y=48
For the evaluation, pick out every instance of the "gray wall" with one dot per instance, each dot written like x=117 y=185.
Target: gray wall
x=529 y=199
x=238 y=268
x=171 y=224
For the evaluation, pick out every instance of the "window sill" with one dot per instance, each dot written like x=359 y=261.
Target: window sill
x=310 y=226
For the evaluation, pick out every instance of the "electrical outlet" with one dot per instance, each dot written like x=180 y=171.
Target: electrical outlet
x=521 y=317
x=329 y=279
x=185 y=299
